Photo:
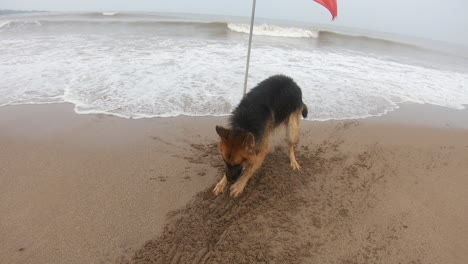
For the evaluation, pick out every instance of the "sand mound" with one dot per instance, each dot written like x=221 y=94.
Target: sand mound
x=283 y=216
x=227 y=230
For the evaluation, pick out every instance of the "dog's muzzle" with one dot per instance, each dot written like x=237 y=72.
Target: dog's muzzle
x=233 y=172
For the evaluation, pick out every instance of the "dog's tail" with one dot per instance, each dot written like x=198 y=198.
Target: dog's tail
x=305 y=111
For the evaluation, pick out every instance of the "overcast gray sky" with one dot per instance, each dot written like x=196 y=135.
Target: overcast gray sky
x=444 y=20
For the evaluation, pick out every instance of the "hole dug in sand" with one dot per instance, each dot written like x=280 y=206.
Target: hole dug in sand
x=283 y=216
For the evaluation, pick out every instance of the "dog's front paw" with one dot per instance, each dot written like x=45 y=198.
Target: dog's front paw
x=219 y=188
x=295 y=165
x=237 y=188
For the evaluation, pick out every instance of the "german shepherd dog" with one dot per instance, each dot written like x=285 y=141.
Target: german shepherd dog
x=274 y=102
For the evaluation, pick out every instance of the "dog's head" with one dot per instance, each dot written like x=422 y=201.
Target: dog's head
x=237 y=149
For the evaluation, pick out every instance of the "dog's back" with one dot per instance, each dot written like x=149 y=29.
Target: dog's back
x=272 y=100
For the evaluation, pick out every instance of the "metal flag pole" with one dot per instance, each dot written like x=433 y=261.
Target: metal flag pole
x=250 y=45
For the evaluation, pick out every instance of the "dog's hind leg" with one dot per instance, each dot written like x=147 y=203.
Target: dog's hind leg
x=292 y=130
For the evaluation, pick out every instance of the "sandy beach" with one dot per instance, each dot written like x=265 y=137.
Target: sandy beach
x=102 y=189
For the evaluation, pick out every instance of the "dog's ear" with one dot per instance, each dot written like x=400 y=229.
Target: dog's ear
x=249 y=141
x=223 y=132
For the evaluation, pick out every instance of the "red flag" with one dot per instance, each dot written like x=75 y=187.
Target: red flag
x=330 y=5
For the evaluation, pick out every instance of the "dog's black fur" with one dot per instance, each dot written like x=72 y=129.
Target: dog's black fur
x=273 y=99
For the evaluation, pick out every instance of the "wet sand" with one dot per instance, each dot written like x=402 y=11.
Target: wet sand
x=101 y=189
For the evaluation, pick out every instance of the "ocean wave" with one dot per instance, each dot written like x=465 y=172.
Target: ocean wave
x=136 y=20
x=4 y=23
x=99 y=19
x=81 y=22
x=274 y=31
x=109 y=13
x=15 y=24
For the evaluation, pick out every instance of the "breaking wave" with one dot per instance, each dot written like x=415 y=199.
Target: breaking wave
x=274 y=31
x=109 y=13
x=4 y=23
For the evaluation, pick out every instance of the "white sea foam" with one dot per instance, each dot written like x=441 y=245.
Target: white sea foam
x=274 y=31
x=146 y=76
x=109 y=13
x=4 y=23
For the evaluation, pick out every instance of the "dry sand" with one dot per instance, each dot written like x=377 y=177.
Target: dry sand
x=101 y=189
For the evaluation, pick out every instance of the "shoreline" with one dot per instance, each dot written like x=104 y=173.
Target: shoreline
x=405 y=114
x=95 y=188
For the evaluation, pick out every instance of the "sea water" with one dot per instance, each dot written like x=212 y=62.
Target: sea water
x=138 y=65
